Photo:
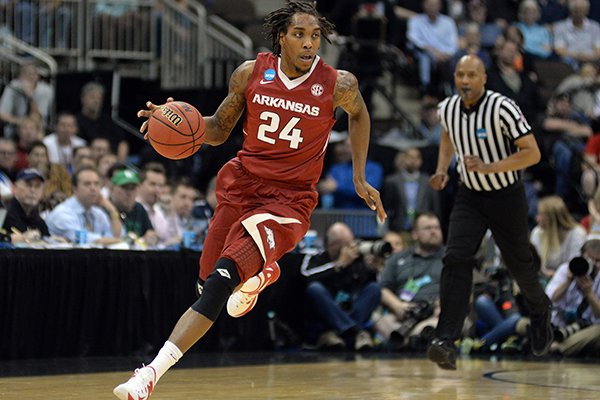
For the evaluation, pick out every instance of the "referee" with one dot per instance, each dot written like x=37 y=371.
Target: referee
x=492 y=141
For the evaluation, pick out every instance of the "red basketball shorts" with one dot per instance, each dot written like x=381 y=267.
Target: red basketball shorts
x=275 y=216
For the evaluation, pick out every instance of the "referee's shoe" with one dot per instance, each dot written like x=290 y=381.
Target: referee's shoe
x=443 y=353
x=540 y=333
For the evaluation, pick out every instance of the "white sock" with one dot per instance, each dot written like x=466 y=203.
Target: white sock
x=165 y=359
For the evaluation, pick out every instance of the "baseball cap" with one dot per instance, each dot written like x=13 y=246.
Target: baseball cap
x=28 y=174
x=125 y=177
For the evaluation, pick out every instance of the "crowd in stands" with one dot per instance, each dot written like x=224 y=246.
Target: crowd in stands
x=75 y=181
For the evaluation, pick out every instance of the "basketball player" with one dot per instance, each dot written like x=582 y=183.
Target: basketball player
x=267 y=193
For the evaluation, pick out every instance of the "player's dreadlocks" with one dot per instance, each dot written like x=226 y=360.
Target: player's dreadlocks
x=278 y=21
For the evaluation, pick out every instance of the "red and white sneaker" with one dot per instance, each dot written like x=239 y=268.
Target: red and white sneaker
x=244 y=299
x=139 y=386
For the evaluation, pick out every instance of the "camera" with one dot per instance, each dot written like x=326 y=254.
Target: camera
x=421 y=311
x=378 y=248
x=561 y=334
x=580 y=266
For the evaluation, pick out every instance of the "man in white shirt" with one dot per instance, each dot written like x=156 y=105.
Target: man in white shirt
x=153 y=178
x=62 y=143
x=26 y=96
x=577 y=38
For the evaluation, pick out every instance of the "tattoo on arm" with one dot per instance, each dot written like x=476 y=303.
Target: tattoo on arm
x=233 y=105
x=347 y=94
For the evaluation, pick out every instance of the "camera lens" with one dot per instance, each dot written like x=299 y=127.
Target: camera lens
x=579 y=266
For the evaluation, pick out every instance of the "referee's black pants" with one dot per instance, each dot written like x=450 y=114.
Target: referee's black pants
x=504 y=212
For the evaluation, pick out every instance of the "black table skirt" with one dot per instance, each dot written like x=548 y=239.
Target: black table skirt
x=66 y=303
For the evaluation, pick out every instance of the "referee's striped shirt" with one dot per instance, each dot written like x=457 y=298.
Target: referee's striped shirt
x=488 y=130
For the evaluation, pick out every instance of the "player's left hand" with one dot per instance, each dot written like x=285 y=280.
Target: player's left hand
x=147 y=114
x=476 y=164
x=371 y=196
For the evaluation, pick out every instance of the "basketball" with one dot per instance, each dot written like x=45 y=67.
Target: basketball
x=176 y=130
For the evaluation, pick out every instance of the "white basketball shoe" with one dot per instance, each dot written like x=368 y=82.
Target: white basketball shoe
x=139 y=386
x=244 y=299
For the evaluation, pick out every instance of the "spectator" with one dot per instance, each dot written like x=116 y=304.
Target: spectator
x=577 y=39
x=489 y=31
x=505 y=79
x=134 y=217
x=8 y=155
x=94 y=123
x=153 y=179
x=23 y=218
x=557 y=237
x=342 y=292
x=99 y=147
x=582 y=88
x=396 y=239
x=57 y=185
x=26 y=96
x=434 y=38
x=183 y=198
x=576 y=302
x=430 y=127
x=204 y=208
x=523 y=60
x=470 y=43
x=565 y=133
x=410 y=281
x=82 y=156
x=537 y=39
x=28 y=131
x=86 y=211
x=339 y=183
x=62 y=143
x=553 y=11
x=407 y=192
x=104 y=165
x=590 y=167
x=591 y=222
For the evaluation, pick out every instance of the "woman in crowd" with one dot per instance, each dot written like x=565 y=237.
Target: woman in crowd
x=58 y=181
x=557 y=237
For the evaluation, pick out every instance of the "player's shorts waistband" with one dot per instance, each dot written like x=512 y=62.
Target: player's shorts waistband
x=279 y=184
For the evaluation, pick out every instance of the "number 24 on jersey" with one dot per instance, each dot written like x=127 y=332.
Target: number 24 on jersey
x=272 y=126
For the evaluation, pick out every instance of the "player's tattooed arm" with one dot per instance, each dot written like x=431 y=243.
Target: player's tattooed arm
x=347 y=96
x=346 y=93
x=219 y=125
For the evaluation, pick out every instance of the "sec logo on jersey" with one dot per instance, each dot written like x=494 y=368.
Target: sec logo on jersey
x=317 y=89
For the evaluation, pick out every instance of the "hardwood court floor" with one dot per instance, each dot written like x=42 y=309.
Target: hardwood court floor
x=331 y=377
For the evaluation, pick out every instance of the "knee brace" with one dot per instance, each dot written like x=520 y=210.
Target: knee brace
x=217 y=289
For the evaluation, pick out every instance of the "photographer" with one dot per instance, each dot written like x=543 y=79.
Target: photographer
x=342 y=292
x=411 y=282
x=575 y=294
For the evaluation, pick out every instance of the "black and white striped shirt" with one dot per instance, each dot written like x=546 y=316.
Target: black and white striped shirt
x=488 y=130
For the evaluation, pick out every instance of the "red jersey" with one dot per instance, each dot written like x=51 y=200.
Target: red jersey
x=287 y=122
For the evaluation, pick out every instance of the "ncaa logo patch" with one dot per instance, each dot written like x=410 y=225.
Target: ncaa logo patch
x=269 y=74
x=317 y=89
x=481 y=133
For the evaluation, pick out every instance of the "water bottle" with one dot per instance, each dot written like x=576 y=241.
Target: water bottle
x=81 y=237
x=189 y=238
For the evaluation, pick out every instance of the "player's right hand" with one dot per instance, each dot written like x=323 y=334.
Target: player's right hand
x=147 y=114
x=438 y=181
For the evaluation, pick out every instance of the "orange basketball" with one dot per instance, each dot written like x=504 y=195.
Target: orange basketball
x=176 y=130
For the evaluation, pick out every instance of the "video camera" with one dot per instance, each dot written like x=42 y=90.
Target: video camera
x=378 y=248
